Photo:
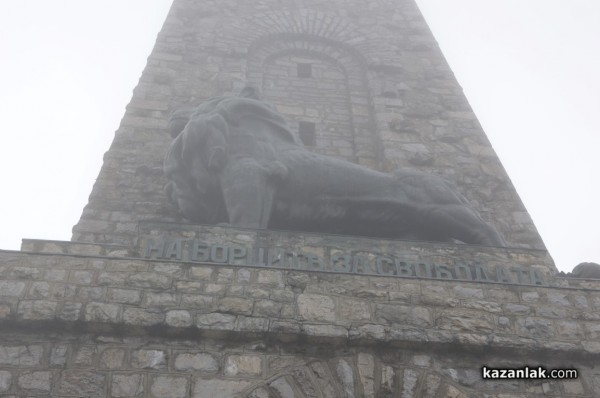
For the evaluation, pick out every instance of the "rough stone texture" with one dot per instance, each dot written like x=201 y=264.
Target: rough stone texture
x=201 y=362
x=127 y=385
x=94 y=319
x=243 y=365
x=171 y=386
x=380 y=94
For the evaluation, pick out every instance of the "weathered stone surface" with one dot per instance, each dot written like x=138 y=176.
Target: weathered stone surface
x=21 y=355
x=387 y=381
x=127 y=385
x=303 y=381
x=197 y=362
x=137 y=316
x=101 y=312
x=218 y=388
x=243 y=365
x=149 y=280
x=169 y=386
x=149 y=359
x=283 y=388
x=274 y=278
x=37 y=309
x=236 y=305
x=112 y=358
x=5 y=380
x=216 y=321
x=40 y=381
x=315 y=307
x=179 y=318
x=82 y=384
x=354 y=310
x=84 y=356
x=58 y=355
x=366 y=371
x=345 y=374
x=324 y=379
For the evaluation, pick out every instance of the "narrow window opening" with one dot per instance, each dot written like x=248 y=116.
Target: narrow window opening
x=304 y=70
x=306 y=130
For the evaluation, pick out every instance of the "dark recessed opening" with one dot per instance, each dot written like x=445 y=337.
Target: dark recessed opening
x=304 y=70
x=306 y=130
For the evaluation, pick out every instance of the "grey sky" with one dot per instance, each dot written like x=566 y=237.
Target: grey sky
x=530 y=69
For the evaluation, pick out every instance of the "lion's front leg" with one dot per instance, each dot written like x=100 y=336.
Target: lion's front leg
x=248 y=193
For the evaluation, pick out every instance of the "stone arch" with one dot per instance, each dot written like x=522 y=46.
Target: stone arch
x=336 y=99
x=361 y=375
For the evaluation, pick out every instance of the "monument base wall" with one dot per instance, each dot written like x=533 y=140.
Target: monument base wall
x=94 y=320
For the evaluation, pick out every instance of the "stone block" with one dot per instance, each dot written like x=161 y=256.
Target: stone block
x=4 y=311
x=219 y=388
x=412 y=315
x=101 y=312
x=216 y=321
x=58 y=355
x=196 y=362
x=82 y=384
x=38 y=290
x=535 y=327
x=127 y=385
x=316 y=307
x=125 y=296
x=325 y=330
x=5 y=380
x=70 y=311
x=169 y=269
x=199 y=302
x=243 y=365
x=465 y=321
x=21 y=355
x=270 y=277
x=90 y=293
x=84 y=356
x=251 y=324
x=81 y=277
x=169 y=386
x=257 y=292
x=149 y=359
x=282 y=387
x=267 y=308
x=137 y=316
x=236 y=305
x=112 y=358
x=40 y=381
x=467 y=292
x=282 y=295
x=150 y=280
x=179 y=318
x=354 y=310
x=409 y=383
x=161 y=299
x=202 y=273
x=37 y=309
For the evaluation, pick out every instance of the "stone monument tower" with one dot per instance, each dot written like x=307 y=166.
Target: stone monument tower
x=299 y=202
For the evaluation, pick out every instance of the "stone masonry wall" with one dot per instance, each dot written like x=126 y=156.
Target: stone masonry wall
x=133 y=327
x=381 y=94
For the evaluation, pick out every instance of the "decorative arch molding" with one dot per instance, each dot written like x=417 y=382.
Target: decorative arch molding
x=303 y=21
x=356 y=123
x=362 y=375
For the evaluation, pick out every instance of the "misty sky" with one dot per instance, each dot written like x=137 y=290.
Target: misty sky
x=529 y=68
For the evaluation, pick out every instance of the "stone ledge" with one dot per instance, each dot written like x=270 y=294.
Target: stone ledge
x=328 y=336
x=40 y=246
x=150 y=296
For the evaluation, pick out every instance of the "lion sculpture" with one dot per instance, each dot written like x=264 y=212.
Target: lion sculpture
x=235 y=161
